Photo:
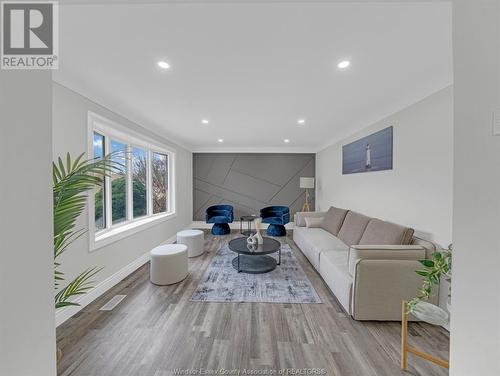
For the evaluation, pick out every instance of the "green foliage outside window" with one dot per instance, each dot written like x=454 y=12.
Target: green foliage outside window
x=118 y=201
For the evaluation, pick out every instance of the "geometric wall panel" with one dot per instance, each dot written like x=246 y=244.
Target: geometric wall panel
x=249 y=181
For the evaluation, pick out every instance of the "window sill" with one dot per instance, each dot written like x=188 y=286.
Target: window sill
x=113 y=235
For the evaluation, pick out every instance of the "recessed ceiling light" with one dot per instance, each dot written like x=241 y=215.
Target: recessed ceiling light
x=163 y=64
x=343 y=64
x=204 y=121
x=220 y=140
x=301 y=121
x=286 y=140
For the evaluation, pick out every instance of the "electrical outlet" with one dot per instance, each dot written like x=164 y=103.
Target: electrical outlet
x=496 y=123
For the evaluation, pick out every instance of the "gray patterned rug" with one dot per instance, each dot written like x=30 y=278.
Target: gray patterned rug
x=286 y=284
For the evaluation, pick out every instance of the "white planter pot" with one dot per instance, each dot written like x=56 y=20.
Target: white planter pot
x=431 y=313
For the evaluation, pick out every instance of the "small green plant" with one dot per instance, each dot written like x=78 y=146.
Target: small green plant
x=71 y=182
x=435 y=268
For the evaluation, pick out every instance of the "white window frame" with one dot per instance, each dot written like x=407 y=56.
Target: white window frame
x=112 y=233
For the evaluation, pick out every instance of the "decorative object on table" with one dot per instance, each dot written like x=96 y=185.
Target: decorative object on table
x=194 y=240
x=435 y=315
x=220 y=216
x=169 y=264
x=306 y=183
x=285 y=284
x=435 y=269
x=256 y=238
x=277 y=217
x=249 y=220
x=251 y=240
x=370 y=153
x=258 y=222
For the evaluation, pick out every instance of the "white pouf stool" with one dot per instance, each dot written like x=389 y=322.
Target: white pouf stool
x=169 y=264
x=194 y=240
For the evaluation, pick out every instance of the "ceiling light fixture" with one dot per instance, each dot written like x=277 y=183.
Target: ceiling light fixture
x=343 y=64
x=204 y=121
x=163 y=65
x=301 y=121
x=286 y=140
x=220 y=140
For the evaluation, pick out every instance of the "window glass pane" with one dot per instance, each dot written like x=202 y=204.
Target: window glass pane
x=118 y=183
x=99 y=207
x=139 y=163
x=159 y=173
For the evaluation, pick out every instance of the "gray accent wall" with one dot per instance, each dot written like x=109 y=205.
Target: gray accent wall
x=250 y=182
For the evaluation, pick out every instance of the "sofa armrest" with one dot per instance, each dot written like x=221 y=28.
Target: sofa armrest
x=380 y=286
x=383 y=252
x=300 y=217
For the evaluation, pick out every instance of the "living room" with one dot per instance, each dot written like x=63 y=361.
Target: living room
x=240 y=187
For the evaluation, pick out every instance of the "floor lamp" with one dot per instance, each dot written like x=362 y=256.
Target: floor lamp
x=307 y=183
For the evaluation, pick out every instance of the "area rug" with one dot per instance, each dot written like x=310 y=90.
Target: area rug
x=286 y=284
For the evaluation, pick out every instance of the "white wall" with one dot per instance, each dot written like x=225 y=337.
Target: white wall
x=70 y=134
x=27 y=330
x=475 y=322
x=418 y=191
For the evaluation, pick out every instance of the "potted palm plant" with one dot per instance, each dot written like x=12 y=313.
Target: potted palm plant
x=72 y=180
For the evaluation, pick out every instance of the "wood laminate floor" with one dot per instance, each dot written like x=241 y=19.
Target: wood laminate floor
x=156 y=330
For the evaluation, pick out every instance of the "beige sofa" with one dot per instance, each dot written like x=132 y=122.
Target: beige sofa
x=368 y=264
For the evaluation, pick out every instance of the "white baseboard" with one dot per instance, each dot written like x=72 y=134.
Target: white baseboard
x=235 y=225
x=64 y=314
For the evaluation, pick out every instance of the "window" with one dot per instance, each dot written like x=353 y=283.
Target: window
x=160 y=182
x=99 y=216
x=119 y=183
x=139 y=183
x=139 y=191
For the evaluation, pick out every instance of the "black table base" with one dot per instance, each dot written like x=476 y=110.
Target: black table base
x=254 y=264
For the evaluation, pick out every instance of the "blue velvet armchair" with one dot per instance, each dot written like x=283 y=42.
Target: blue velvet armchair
x=220 y=216
x=277 y=217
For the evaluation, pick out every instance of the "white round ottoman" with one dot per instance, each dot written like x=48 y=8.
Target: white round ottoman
x=194 y=240
x=169 y=264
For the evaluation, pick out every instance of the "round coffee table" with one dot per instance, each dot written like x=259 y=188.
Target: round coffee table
x=255 y=259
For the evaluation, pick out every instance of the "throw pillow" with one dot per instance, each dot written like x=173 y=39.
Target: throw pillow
x=312 y=222
x=334 y=218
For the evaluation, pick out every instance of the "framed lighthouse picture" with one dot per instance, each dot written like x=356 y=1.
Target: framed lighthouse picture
x=370 y=153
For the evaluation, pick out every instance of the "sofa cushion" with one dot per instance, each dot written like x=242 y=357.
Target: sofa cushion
x=313 y=222
x=334 y=270
x=381 y=233
x=313 y=241
x=332 y=222
x=353 y=227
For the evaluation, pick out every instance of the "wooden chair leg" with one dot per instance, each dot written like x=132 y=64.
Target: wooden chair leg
x=404 y=336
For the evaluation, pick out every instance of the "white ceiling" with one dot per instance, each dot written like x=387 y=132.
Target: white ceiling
x=254 y=69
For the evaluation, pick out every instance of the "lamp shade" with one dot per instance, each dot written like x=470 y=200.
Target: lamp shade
x=307 y=183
